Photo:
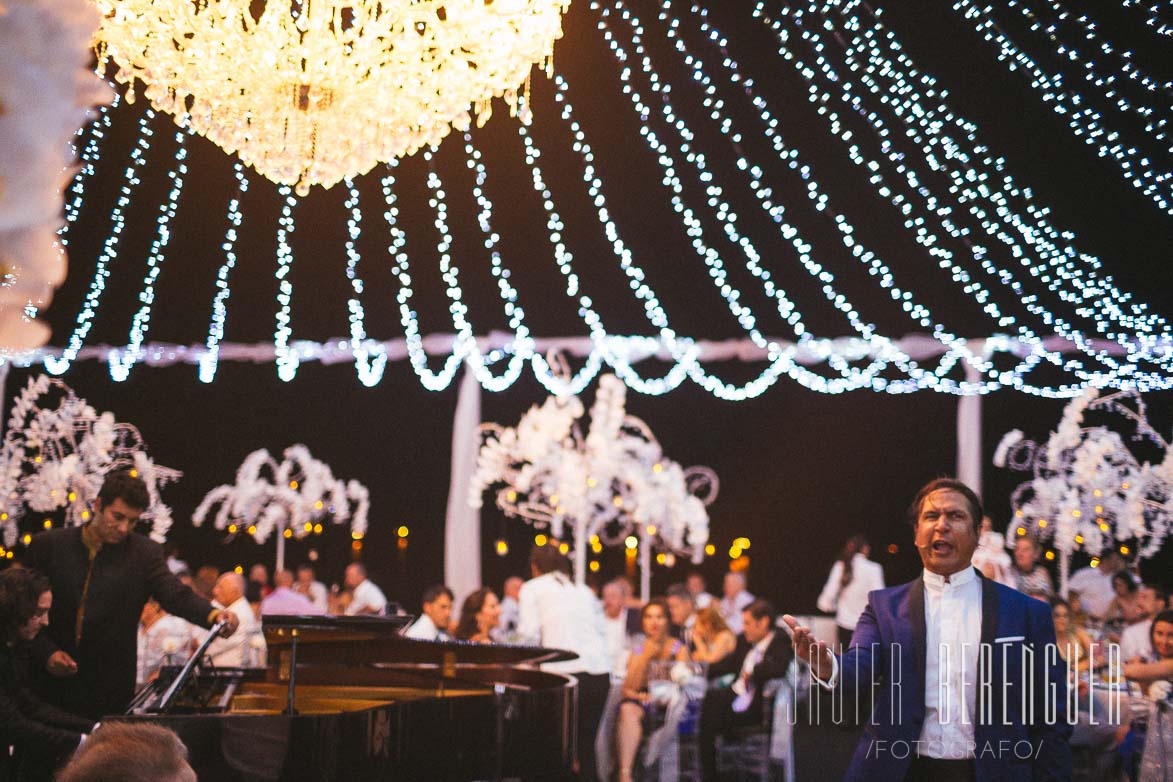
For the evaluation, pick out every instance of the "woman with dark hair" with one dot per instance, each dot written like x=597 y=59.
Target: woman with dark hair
x=1125 y=608
x=479 y=615
x=1156 y=677
x=43 y=737
x=846 y=592
x=1072 y=641
x=658 y=646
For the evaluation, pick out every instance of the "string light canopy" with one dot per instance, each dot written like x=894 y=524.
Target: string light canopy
x=781 y=243
x=309 y=92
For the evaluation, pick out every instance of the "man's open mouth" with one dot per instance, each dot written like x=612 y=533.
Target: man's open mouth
x=942 y=547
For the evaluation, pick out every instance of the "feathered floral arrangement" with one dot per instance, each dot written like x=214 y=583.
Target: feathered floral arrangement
x=1089 y=489
x=290 y=498
x=57 y=451
x=599 y=487
x=46 y=91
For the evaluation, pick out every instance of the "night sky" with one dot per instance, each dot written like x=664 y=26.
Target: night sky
x=800 y=471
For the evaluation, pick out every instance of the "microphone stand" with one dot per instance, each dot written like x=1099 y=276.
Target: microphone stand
x=188 y=668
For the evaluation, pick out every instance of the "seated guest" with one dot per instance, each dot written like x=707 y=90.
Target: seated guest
x=308 y=586
x=712 y=640
x=233 y=652
x=480 y=613
x=1125 y=608
x=620 y=624
x=41 y=735
x=696 y=586
x=437 y=613
x=682 y=612
x=130 y=752
x=259 y=574
x=284 y=600
x=1072 y=641
x=506 y=632
x=658 y=646
x=1134 y=641
x=1156 y=677
x=736 y=598
x=163 y=639
x=1094 y=584
x=366 y=598
x=762 y=654
x=1027 y=575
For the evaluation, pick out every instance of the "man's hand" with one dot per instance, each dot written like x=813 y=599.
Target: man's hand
x=231 y=622
x=60 y=664
x=814 y=653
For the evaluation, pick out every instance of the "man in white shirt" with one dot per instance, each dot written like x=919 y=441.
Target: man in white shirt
x=242 y=649
x=1136 y=640
x=682 y=612
x=312 y=588
x=163 y=639
x=617 y=626
x=1094 y=584
x=735 y=600
x=939 y=715
x=437 y=615
x=506 y=630
x=559 y=614
x=366 y=598
x=696 y=585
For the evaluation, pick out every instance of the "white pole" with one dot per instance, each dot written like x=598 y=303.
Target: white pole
x=645 y=566
x=462 y=526
x=580 y=547
x=280 y=550
x=969 y=435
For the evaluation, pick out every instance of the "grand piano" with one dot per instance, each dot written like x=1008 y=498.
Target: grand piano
x=348 y=698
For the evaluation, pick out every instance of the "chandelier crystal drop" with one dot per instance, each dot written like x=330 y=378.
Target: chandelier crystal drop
x=310 y=92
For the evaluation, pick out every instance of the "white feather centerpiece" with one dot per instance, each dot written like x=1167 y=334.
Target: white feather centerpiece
x=293 y=499
x=596 y=489
x=57 y=451
x=1090 y=489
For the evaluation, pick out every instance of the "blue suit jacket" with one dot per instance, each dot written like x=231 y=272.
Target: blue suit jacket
x=888 y=649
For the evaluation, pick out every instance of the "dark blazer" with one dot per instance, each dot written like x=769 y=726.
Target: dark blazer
x=28 y=723
x=889 y=648
x=121 y=578
x=773 y=665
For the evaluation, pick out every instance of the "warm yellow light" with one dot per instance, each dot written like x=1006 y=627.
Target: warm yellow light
x=1077 y=513
x=85 y=515
x=540 y=539
x=594 y=566
x=72 y=496
x=356 y=545
x=564 y=548
x=27 y=539
x=231 y=529
x=1042 y=522
x=308 y=526
x=1050 y=555
x=3 y=517
x=134 y=473
x=318 y=505
x=511 y=495
x=1095 y=562
x=591 y=482
x=1022 y=530
x=48 y=523
x=710 y=549
x=9 y=555
x=403 y=531
x=1019 y=513
x=1103 y=526
x=252 y=529
x=311 y=93
x=651 y=529
x=52 y=492
x=1099 y=509
x=37 y=460
x=502 y=548
x=1098 y=493
x=597 y=548
x=1124 y=486
x=1124 y=550
x=288 y=533
x=1079 y=539
x=317 y=529
x=238 y=569
x=594 y=539
x=660 y=559
x=631 y=542
x=356 y=535
x=657 y=468
x=618 y=501
x=742 y=543
x=734 y=552
x=293 y=485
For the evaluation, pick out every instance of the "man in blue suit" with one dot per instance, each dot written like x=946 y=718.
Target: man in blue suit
x=968 y=681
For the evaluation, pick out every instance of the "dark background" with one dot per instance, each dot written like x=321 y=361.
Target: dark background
x=800 y=471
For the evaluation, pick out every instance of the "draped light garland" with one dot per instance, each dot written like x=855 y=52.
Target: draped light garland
x=954 y=197
x=596 y=489
x=1089 y=490
x=291 y=499
x=45 y=96
x=57 y=451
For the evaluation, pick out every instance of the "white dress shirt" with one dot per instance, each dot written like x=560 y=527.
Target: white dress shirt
x=1137 y=641
x=1095 y=590
x=731 y=609
x=618 y=641
x=237 y=652
x=953 y=633
x=506 y=629
x=752 y=658
x=848 y=603
x=368 y=599
x=424 y=629
x=169 y=637
x=557 y=613
x=318 y=595
x=703 y=600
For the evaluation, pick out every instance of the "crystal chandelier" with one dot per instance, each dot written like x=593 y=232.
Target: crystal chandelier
x=309 y=92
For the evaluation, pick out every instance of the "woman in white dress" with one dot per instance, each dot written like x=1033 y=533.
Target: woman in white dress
x=846 y=592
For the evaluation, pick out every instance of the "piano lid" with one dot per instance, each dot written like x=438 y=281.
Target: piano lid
x=350 y=640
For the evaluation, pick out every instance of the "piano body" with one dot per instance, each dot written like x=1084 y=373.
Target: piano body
x=348 y=698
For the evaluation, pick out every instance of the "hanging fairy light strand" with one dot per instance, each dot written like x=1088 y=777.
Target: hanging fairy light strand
x=220 y=301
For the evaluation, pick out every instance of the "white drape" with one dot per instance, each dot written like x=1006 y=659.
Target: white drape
x=969 y=436
x=462 y=528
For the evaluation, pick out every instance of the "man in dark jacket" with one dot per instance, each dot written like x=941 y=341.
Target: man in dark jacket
x=762 y=654
x=102 y=574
